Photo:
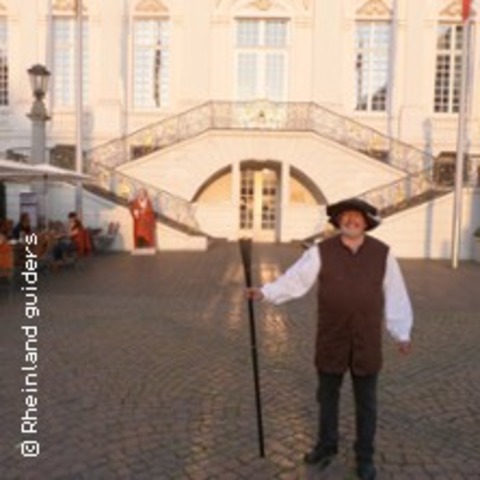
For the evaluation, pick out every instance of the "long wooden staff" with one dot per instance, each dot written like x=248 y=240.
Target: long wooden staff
x=246 y=252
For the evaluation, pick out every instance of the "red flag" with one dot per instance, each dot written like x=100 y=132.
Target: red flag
x=466 y=7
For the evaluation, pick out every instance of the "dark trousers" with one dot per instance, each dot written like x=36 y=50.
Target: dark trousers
x=365 y=393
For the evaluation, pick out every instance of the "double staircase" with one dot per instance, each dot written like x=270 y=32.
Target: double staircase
x=417 y=185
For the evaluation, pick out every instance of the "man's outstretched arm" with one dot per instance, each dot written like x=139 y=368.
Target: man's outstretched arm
x=294 y=283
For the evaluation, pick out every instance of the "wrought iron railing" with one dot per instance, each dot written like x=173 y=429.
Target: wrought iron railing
x=417 y=187
x=402 y=193
x=369 y=141
x=156 y=136
x=419 y=181
x=164 y=203
x=311 y=117
x=411 y=190
x=261 y=115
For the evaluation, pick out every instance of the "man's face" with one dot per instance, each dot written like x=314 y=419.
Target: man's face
x=352 y=223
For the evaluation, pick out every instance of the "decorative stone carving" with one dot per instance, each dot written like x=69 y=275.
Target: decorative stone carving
x=263 y=5
x=374 y=8
x=68 y=6
x=453 y=11
x=151 y=6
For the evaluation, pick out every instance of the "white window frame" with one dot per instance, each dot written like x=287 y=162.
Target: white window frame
x=86 y=79
x=4 y=19
x=167 y=101
x=261 y=52
x=370 y=50
x=453 y=54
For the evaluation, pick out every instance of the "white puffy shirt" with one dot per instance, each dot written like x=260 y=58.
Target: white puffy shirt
x=301 y=276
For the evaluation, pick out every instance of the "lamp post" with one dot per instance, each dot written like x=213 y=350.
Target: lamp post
x=39 y=77
x=79 y=105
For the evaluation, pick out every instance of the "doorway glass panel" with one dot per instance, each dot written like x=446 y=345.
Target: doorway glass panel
x=259 y=203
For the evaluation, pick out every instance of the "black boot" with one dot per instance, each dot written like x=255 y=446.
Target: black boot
x=366 y=471
x=320 y=456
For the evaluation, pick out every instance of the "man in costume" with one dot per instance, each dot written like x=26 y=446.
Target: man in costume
x=359 y=285
x=143 y=220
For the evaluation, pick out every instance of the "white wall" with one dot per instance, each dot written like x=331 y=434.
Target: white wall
x=321 y=65
x=301 y=221
x=426 y=231
x=13 y=191
x=218 y=219
x=337 y=171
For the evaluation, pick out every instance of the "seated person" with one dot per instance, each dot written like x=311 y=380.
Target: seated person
x=23 y=227
x=6 y=257
x=45 y=247
x=62 y=245
x=7 y=228
x=79 y=235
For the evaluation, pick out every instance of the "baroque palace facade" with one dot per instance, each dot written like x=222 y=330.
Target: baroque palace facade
x=246 y=117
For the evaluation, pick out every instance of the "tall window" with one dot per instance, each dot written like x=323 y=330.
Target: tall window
x=448 y=68
x=3 y=63
x=64 y=34
x=261 y=59
x=151 y=63
x=372 y=58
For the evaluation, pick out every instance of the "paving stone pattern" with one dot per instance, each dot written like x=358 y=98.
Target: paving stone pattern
x=145 y=373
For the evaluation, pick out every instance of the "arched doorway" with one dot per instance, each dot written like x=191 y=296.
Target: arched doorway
x=259 y=200
x=264 y=200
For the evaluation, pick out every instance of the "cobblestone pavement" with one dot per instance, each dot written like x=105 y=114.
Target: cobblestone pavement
x=144 y=372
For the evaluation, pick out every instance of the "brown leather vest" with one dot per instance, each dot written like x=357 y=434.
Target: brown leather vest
x=350 y=307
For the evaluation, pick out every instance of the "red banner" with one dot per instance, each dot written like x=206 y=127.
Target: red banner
x=466 y=7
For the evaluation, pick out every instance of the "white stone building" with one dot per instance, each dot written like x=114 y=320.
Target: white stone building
x=245 y=117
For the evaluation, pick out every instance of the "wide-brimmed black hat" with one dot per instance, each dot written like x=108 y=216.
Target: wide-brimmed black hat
x=369 y=212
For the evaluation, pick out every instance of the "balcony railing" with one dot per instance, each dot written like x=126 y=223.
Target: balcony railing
x=411 y=190
x=263 y=116
x=420 y=182
x=144 y=141
x=402 y=193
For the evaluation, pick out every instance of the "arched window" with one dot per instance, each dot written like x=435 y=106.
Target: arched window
x=448 y=62
x=4 y=84
x=150 y=55
x=64 y=72
x=373 y=33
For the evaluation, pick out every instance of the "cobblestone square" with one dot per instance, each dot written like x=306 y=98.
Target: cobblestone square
x=144 y=372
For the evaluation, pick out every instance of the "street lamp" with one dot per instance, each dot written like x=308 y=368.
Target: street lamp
x=39 y=77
